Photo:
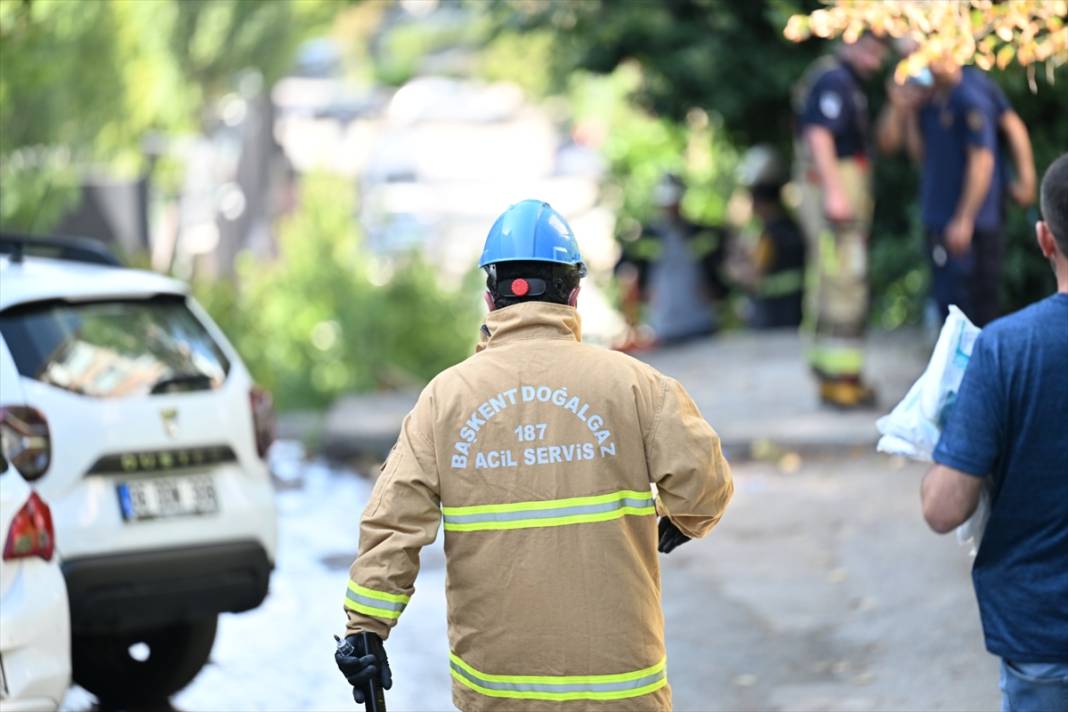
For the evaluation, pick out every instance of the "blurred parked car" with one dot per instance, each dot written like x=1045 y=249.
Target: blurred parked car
x=34 y=621
x=127 y=409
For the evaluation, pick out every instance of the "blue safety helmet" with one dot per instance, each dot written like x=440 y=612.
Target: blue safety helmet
x=532 y=231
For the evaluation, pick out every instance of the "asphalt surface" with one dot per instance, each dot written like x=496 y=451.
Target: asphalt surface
x=821 y=590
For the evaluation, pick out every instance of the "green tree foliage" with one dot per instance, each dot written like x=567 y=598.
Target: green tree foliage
x=66 y=98
x=212 y=41
x=731 y=61
x=641 y=147
x=327 y=317
x=727 y=58
x=83 y=83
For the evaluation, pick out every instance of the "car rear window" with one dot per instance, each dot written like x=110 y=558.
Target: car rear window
x=114 y=348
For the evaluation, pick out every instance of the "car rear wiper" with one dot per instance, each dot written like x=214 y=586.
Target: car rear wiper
x=191 y=382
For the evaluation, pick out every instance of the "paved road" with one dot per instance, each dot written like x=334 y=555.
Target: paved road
x=820 y=590
x=823 y=590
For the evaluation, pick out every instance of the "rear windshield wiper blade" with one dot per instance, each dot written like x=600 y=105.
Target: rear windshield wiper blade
x=191 y=381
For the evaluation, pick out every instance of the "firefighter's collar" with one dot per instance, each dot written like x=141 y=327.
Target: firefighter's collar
x=532 y=320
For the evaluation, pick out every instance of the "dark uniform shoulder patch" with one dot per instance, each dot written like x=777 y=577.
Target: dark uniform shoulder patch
x=976 y=120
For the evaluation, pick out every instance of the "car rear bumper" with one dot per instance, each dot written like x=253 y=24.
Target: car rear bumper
x=155 y=587
x=34 y=638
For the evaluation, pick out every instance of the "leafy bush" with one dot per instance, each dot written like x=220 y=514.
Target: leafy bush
x=328 y=317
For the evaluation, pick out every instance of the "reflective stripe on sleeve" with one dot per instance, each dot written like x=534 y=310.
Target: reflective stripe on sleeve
x=561 y=687
x=549 y=513
x=374 y=603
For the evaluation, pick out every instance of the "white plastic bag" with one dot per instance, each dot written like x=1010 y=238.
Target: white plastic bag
x=913 y=427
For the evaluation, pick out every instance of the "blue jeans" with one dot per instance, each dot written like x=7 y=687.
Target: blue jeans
x=1034 y=687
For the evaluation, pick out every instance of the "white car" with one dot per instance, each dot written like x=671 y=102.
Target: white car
x=34 y=622
x=162 y=502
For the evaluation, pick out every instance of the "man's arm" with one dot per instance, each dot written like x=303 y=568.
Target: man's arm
x=978 y=174
x=820 y=142
x=971 y=443
x=949 y=497
x=888 y=131
x=401 y=518
x=896 y=120
x=686 y=462
x=1023 y=188
x=913 y=136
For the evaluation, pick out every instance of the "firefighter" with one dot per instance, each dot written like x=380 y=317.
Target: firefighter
x=774 y=269
x=538 y=453
x=833 y=175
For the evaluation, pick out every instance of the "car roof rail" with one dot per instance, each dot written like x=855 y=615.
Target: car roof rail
x=74 y=249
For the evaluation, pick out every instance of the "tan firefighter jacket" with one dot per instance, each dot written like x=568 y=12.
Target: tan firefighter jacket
x=538 y=454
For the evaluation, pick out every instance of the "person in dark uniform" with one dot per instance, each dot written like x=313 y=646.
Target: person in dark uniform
x=1015 y=160
x=774 y=271
x=834 y=179
x=1020 y=182
x=951 y=131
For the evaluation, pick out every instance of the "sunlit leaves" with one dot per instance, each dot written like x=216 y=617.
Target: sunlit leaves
x=982 y=32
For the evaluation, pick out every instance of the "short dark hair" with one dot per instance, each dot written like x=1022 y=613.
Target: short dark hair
x=560 y=279
x=1054 y=200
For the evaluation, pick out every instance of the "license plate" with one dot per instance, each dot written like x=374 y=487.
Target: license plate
x=163 y=497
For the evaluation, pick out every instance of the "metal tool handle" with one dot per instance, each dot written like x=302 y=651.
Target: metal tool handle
x=375 y=698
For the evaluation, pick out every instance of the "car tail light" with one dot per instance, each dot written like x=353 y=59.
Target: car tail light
x=25 y=440
x=262 y=418
x=31 y=532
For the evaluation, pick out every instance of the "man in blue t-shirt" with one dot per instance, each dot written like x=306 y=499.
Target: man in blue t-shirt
x=1008 y=429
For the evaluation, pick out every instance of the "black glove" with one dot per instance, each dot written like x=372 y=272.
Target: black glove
x=360 y=666
x=670 y=536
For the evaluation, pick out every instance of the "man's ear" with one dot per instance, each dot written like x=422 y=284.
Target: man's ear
x=489 y=301
x=572 y=299
x=1046 y=241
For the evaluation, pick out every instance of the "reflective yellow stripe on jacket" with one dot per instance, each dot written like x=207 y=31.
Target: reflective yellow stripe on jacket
x=549 y=513
x=375 y=603
x=561 y=687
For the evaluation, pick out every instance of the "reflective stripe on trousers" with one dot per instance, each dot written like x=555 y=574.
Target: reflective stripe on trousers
x=549 y=513
x=561 y=687
x=374 y=603
x=837 y=357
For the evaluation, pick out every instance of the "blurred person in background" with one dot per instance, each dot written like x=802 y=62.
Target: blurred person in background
x=1013 y=138
x=539 y=453
x=772 y=267
x=675 y=268
x=834 y=178
x=1008 y=428
x=949 y=119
